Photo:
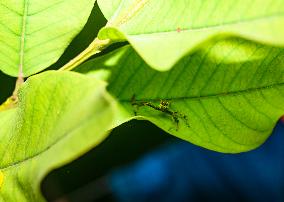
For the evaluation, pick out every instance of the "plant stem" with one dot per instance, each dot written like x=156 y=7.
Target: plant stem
x=18 y=84
x=95 y=47
x=12 y=101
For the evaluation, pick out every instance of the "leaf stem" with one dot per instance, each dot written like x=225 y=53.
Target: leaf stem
x=18 y=84
x=12 y=101
x=95 y=47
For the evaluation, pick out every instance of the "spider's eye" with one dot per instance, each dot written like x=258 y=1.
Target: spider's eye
x=165 y=103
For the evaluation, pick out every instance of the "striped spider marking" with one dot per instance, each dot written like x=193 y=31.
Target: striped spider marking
x=163 y=107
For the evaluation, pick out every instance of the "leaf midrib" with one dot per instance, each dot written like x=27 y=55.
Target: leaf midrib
x=209 y=96
x=23 y=37
x=128 y=13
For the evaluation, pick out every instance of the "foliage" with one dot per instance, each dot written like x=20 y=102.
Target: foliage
x=207 y=71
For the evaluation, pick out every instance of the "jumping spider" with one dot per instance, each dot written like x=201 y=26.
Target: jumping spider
x=164 y=107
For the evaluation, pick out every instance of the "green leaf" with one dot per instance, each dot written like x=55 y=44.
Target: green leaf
x=231 y=100
x=56 y=121
x=33 y=34
x=162 y=32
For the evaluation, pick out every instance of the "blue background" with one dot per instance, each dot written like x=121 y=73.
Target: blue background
x=181 y=171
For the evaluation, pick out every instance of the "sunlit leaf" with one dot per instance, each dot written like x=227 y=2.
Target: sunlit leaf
x=162 y=32
x=33 y=34
x=56 y=121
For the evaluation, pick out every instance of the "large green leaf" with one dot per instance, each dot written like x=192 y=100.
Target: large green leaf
x=56 y=121
x=229 y=106
x=162 y=31
x=33 y=34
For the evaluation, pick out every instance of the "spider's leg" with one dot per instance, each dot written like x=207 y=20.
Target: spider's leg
x=175 y=119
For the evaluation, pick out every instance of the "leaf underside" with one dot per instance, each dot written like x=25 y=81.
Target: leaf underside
x=230 y=107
